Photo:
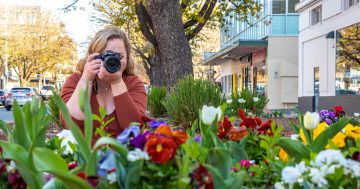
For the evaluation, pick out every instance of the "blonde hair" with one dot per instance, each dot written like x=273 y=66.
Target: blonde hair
x=98 y=45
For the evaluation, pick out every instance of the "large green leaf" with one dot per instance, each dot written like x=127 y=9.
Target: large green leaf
x=321 y=141
x=83 y=146
x=220 y=158
x=88 y=122
x=236 y=181
x=19 y=155
x=20 y=134
x=237 y=150
x=294 y=148
x=133 y=176
x=46 y=160
x=218 y=180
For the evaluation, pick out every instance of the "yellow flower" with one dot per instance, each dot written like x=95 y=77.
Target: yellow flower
x=338 y=140
x=352 y=131
x=283 y=155
x=319 y=129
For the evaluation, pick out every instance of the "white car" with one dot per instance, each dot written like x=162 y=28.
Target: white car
x=22 y=95
x=46 y=91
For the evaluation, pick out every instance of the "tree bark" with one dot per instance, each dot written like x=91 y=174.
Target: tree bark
x=173 y=53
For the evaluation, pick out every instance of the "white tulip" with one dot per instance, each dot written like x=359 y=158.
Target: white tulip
x=356 y=114
x=290 y=175
x=209 y=114
x=311 y=120
x=241 y=101
x=66 y=136
x=229 y=101
x=137 y=154
x=255 y=99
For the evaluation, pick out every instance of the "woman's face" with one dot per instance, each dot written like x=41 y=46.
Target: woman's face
x=118 y=46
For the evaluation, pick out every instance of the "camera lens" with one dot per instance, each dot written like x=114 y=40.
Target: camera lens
x=112 y=64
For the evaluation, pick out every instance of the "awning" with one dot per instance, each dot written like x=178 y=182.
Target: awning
x=235 y=51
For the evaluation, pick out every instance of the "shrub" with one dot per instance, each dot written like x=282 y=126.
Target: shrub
x=155 y=96
x=187 y=97
x=247 y=101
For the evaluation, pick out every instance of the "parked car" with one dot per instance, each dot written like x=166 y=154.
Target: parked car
x=3 y=95
x=22 y=95
x=46 y=91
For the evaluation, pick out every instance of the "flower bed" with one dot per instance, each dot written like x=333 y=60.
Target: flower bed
x=213 y=153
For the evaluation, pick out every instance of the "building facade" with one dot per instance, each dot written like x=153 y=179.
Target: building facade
x=263 y=55
x=329 y=54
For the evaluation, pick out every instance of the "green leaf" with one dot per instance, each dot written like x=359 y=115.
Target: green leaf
x=102 y=112
x=236 y=181
x=238 y=151
x=216 y=176
x=220 y=158
x=83 y=146
x=90 y=168
x=88 y=122
x=321 y=141
x=96 y=118
x=19 y=133
x=294 y=148
x=112 y=143
x=133 y=176
x=6 y=129
x=19 y=155
x=58 y=167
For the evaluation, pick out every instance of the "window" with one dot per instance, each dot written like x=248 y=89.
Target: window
x=348 y=61
x=316 y=15
x=279 y=7
x=349 y=3
x=291 y=6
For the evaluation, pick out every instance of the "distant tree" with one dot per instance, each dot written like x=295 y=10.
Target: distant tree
x=349 y=44
x=38 y=46
x=168 y=25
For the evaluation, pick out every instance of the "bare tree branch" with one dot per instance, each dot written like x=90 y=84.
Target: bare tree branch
x=201 y=13
x=68 y=6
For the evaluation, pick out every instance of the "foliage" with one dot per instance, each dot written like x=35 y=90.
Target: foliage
x=155 y=96
x=187 y=97
x=101 y=130
x=247 y=101
x=54 y=109
x=38 y=46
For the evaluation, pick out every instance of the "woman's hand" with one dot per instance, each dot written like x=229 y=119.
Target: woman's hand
x=91 y=68
x=112 y=78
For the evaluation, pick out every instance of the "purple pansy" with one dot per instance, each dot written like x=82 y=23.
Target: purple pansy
x=155 y=124
x=197 y=139
x=131 y=131
x=107 y=163
x=140 y=140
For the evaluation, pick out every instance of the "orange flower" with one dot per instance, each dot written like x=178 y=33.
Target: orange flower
x=161 y=149
x=237 y=133
x=283 y=155
x=178 y=136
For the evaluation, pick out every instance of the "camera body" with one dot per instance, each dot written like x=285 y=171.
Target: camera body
x=111 y=60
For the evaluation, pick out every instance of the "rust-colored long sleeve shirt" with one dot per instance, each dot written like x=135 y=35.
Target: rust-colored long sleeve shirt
x=129 y=106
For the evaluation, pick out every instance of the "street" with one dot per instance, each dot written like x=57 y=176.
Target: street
x=6 y=116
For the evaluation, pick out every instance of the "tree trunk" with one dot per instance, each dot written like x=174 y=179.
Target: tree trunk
x=174 y=54
x=157 y=70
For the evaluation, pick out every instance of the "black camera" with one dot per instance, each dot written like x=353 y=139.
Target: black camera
x=111 y=61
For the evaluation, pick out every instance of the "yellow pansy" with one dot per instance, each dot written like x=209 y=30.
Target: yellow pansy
x=338 y=140
x=352 y=131
x=321 y=127
x=283 y=155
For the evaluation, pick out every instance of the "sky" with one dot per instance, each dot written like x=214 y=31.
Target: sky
x=78 y=22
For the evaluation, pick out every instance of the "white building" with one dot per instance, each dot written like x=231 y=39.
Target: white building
x=329 y=54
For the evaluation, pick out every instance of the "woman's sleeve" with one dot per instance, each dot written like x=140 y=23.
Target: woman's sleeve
x=66 y=93
x=130 y=105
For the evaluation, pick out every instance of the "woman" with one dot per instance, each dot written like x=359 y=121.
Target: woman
x=122 y=94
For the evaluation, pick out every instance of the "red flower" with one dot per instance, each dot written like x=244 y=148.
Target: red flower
x=356 y=156
x=227 y=124
x=245 y=163
x=338 y=109
x=221 y=131
x=161 y=149
x=144 y=121
x=202 y=178
x=253 y=109
x=72 y=165
x=92 y=180
x=236 y=134
x=265 y=128
x=248 y=121
x=242 y=114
